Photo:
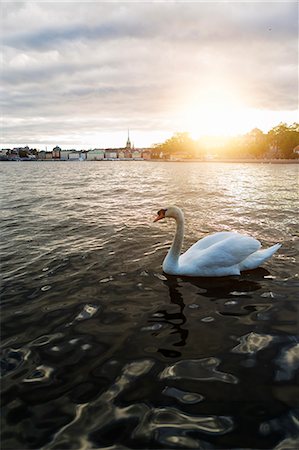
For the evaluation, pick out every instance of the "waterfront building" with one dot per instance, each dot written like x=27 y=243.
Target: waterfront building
x=44 y=155
x=111 y=153
x=97 y=154
x=146 y=153
x=128 y=144
x=64 y=154
x=136 y=154
x=122 y=154
x=77 y=155
x=25 y=153
x=41 y=154
x=125 y=152
x=48 y=155
x=56 y=152
x=72 y=155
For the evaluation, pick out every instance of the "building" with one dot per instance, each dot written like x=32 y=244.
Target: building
x=146 y=153
x=128 y=144
x=111 y=153
x=70 y=155
x=136 y=154
x=74 y=156
x=56 y=152
x=124 y=154
x=97 y=154
x=65 y=155
x=44 y=155
x=77 y=155
x=22 y=153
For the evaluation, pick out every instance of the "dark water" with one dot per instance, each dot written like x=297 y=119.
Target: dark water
x=101 y=350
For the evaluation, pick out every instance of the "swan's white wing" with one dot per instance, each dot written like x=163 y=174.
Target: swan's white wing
x=212 y=239
x=226 y=252
x=257 y=258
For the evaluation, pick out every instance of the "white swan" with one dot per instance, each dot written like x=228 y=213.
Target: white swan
x=220 y=254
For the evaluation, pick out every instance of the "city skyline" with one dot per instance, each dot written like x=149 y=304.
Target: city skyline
x=80 y=74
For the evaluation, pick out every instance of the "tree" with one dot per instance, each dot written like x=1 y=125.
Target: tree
x=284 y=139
x=180 y=143
x=279 y=142
x=23 y=153
x=256 y=143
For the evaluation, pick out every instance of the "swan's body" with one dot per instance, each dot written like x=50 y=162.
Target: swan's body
x=217 y=255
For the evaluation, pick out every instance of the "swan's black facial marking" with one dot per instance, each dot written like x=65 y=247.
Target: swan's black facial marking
x=160 y=215
x=161 y=212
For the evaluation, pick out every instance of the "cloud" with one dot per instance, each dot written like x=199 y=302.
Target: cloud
x=106 y=66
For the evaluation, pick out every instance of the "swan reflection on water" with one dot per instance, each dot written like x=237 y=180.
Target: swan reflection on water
x=176 y=319
x=212 y=288
x=220 y=287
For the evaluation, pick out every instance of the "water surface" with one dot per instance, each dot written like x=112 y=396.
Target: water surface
x=101 y=350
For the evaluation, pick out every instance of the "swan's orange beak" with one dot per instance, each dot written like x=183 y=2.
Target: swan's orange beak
x=160 y=215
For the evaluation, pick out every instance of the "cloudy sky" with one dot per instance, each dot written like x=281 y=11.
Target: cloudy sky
x=79 y=74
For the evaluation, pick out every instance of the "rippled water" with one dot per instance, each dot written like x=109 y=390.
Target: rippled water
x=101 y=350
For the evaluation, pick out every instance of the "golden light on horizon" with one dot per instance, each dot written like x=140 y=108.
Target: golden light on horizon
x=220 y=110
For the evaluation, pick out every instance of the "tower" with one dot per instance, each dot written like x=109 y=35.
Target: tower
x=128 y=145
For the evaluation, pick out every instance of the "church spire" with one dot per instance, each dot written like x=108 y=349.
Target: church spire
x=128 y=146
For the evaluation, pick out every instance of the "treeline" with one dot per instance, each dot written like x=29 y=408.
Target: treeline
x=279 y=143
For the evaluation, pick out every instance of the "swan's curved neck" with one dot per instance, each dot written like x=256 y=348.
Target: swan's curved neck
x=171 y=260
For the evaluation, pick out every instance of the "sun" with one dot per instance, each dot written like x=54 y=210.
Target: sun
x=218 y=111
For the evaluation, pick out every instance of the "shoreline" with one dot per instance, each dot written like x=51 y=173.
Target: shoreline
x=238 y=161
x=249 y=161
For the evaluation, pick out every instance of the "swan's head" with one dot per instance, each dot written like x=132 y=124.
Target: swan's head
x=171 y=211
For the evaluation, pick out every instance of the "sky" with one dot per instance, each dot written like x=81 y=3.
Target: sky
x=80 y=74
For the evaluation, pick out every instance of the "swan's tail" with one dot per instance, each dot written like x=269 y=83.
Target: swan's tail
x=259 y=257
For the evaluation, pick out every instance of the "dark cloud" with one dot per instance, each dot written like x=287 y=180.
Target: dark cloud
x=53 y=37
